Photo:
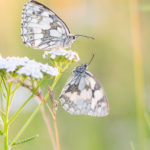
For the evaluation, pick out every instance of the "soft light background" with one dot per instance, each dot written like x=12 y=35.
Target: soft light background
x=110 y=23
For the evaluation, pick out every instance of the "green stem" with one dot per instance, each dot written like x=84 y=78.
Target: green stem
x=6 y=147
x=2 y=108
x=53 y=85
x=14 y=91
x=35 y=112
x=24 y=104
x=28 y=121
x=3 y=95
x=4 y=83
x=59 y=75
x=55 y=81
x=26 y=124
x=20 y=109
x=2 y=112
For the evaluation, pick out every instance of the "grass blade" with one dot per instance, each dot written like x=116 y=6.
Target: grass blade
x=25 y=140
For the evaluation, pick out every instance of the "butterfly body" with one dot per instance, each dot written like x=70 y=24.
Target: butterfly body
x=68 y=40
x=42 y=29
x=83 y=94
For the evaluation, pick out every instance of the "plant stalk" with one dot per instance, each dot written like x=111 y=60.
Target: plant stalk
x=138 y=71
x=6 y=147
x=26 y=124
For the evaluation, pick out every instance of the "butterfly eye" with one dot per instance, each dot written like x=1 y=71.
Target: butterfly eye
x=74 y=37
x=85 y=65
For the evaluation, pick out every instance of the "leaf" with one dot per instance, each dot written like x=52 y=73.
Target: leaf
x=25 y=140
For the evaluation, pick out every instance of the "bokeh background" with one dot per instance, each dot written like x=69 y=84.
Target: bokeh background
x=121 y=64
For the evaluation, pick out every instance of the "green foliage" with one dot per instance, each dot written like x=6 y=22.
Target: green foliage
x=10 y=83
x=2 y=73
x=25 y=140
x=113 y=65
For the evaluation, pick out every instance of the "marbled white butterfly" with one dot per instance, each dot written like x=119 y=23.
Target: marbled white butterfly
x=42 y=29
x=83 y=94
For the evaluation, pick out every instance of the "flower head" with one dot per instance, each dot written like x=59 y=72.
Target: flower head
x=27 y=67
x=68 y=55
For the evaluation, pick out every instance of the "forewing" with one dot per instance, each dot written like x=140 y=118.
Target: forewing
x=41 y=28
x=84 y=95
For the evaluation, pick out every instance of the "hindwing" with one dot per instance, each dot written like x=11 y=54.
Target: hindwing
x=83 y=94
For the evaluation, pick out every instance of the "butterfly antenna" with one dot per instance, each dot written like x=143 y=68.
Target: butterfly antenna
x=89 y=37
x=91 y=58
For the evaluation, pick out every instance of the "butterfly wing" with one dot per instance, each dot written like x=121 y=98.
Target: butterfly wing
x=83 y=94
x=41 y=28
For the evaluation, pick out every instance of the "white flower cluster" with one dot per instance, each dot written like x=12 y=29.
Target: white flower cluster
x=70 y=55
x=25 y=66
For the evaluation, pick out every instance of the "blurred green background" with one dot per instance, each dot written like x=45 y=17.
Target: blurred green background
x=110 y=23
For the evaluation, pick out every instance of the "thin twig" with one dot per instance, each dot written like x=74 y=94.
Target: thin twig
x=47 y=122
x=138 y=70
x=57 y=134
x=40 y=98
x=26 y=124
x=2 y=112
x=37 y=93
x=54 y=104
x=50 y=110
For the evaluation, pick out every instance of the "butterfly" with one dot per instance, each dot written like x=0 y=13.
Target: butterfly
x=83 y=94
x=42 y=29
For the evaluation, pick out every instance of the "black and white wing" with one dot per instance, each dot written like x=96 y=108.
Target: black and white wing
x=84 y=95
x=41 y=28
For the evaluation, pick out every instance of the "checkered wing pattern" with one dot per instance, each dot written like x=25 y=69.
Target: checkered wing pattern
x=41 y=28
x=83 y=94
